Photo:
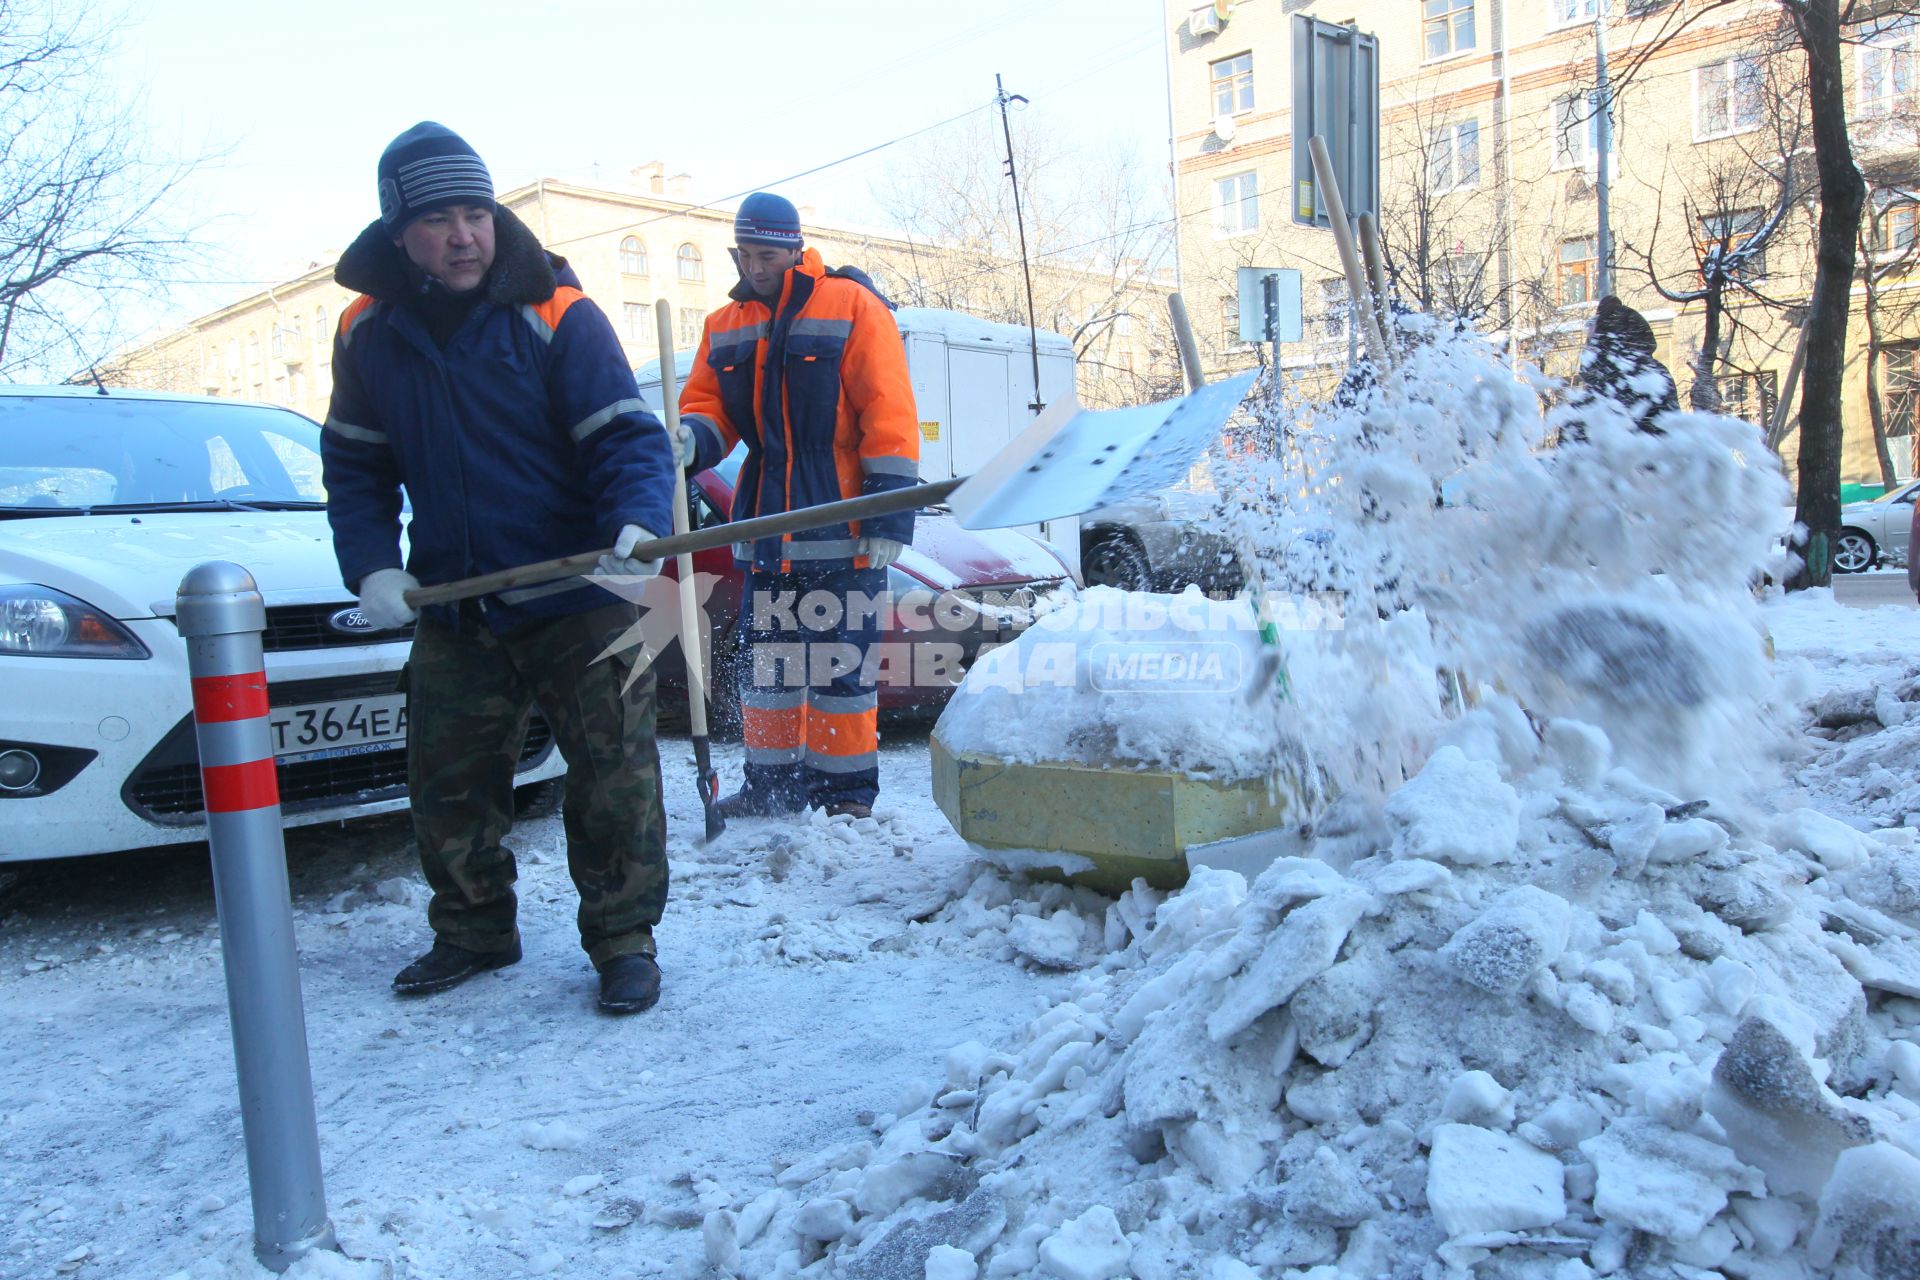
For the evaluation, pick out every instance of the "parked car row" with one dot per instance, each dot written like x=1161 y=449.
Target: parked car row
x=1872 y=531
x=107 y=499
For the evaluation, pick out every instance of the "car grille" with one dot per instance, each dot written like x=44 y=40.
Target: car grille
x=166 y=787
x=292 y=627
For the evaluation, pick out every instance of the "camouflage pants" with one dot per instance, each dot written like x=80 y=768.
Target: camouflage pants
x=469 y=697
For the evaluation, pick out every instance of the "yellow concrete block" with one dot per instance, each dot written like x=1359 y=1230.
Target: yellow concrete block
x=1126 y=823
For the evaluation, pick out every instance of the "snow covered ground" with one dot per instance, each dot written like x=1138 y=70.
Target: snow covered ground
x=818 y=983
x=502 y=1129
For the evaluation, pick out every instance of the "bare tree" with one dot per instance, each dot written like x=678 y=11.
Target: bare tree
x=1438 y=215
x=1889 y=249
x=1732 y=207
x=1820 y=30
x=87 y=227
x=1097 y=232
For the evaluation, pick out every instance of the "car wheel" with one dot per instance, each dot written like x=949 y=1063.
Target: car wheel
x=1116 y=561
x=1853 y=552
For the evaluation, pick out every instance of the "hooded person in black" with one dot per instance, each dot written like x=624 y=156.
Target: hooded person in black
x=1618 y=366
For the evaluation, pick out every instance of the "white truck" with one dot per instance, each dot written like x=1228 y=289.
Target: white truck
x=973 y=387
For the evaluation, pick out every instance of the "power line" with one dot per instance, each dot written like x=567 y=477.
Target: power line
x=762 y=186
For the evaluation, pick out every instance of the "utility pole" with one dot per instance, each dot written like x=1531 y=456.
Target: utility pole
x=1603 y=142
x=1001 y=96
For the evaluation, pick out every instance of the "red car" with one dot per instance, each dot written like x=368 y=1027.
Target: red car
x=954 y=592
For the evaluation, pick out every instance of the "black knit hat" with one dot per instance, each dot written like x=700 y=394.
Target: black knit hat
x=765 y=218
x=429 y=167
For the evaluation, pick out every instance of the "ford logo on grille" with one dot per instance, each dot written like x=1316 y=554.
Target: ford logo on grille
x=351 y=622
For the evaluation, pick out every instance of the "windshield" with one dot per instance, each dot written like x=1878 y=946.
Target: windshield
x=92 y=453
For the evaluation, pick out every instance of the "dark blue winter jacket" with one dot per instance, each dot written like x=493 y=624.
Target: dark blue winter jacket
x=522 y=439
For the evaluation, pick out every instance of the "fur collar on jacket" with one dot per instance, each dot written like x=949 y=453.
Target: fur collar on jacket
x=522 y=271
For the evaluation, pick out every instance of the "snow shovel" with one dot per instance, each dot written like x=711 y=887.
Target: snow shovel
x=1069 y=460
x=706 y=780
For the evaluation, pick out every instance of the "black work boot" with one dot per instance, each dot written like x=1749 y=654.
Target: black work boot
x=629 y=984
x=753 y=802
x=447 y=965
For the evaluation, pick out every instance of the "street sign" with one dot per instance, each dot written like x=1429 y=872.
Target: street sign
x=1336 y=94
x=1269 y=304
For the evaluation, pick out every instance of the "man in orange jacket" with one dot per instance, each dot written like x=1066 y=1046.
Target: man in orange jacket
x=805 y=365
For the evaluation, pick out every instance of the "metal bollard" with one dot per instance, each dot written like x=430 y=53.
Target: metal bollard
x=220 y=614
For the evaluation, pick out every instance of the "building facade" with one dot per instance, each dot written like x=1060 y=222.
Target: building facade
x=630 y=248
x=1489 y=192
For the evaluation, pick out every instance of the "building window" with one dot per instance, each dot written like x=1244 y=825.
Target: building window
x=1236 y=205
x=253 y=357
x=1883 y=68
x=633 y=256
x=1900 y=390
x=1576 y=132
x=1335 y=304
x=1578 y=259
x=1726 y=97
x=322 y=336
x=690 y=322
x=1230 y=323
x=635 y=315
x=690 y=264
x=1726 y=233
x=1749 y=396
x=1232 y=82
x=1562 y=13
x=275 y=339
x=233 y=362
x=1449 y=27
x=1453 y=156
x=1894 y=230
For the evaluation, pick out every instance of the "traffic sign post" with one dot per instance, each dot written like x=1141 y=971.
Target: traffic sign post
x=1336 y=94
x=1269 y=306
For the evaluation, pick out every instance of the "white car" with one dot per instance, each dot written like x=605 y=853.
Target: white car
x=107 y=499
x=1871 y=530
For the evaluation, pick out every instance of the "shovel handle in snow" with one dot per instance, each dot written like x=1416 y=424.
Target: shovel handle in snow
x=705 y=781
x=1350 y=264
x=865 y=507
x=1256 y=588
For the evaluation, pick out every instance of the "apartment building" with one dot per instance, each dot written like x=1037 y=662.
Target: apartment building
x=648 y=241
x=1489 y=203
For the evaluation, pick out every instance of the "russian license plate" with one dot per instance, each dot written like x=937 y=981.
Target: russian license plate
x=349 y=727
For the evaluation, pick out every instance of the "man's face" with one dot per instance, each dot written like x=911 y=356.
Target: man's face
x=454 y=245
x=762 y=265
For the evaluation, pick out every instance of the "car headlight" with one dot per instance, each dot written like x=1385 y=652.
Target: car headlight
x=40 y=622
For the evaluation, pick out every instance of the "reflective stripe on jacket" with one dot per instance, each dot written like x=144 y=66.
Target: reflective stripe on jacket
x=817 y=386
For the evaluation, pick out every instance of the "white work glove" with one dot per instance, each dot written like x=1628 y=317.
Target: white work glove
x=881 y=552
x=620 y=563
x=383 y=598
x=685 y=450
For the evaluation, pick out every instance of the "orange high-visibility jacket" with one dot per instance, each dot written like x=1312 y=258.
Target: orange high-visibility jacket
x=817 y=387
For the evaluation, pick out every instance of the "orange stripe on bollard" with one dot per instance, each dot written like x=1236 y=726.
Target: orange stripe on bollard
x=232 y=788
x=217 y=699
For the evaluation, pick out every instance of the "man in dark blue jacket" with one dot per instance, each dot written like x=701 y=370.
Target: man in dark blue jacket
x=474 y=372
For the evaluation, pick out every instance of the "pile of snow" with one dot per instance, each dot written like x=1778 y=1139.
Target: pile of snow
x=1127 y=679
x=1582 y=997
x=1531 y=1014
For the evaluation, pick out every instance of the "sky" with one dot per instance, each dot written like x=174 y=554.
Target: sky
x=297 y=101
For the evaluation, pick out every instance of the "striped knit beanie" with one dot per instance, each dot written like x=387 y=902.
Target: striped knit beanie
x=429 y=167
x=765 y=218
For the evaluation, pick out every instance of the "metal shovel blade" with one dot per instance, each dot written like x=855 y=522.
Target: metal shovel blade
x=1071 y=460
